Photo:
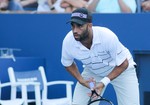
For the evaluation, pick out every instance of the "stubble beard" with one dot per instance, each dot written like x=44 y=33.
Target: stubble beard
x=83 y=36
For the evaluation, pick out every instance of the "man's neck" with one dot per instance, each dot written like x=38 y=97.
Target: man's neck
x=88 y=42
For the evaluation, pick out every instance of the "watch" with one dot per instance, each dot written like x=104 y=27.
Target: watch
x=52 y=8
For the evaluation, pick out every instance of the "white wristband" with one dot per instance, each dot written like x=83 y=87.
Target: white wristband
x=105 y=81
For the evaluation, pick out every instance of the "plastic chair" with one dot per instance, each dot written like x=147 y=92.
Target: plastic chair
x=16 y=101
x=31 y=85
x=58 y=101
x=39 y=76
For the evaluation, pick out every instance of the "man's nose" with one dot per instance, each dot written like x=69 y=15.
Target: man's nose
x=75 y=29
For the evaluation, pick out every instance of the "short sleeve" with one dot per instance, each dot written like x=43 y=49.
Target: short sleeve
x=66 y=58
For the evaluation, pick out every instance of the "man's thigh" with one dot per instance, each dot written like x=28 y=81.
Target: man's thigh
x=80 y=96
x=127 y=88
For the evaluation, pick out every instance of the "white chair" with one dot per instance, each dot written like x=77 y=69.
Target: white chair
x=39 y=76
x=30 y=85
x=59 y=101
x=16 y=101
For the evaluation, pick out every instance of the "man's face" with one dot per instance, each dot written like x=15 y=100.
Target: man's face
x=80 y=32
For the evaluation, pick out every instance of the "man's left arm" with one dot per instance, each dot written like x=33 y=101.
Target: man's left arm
x=112 y=75
x=118 y=70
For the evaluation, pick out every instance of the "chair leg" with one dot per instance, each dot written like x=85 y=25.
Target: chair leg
x=24 y=94
x=37 y=95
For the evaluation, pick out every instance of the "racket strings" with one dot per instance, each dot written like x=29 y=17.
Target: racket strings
x=99 y=101
x=104 y=102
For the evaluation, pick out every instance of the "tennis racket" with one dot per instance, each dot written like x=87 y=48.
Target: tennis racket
x=100 y=99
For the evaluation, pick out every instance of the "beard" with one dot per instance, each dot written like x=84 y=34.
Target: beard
x=83 y=36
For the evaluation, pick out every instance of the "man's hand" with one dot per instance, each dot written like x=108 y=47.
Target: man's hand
x=87 y=82
x=99 y=87
x=146 y=5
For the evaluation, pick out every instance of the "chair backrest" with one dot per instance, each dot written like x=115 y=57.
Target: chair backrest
x=26 y=76
x=61 y=101
x=39 y=76
x=33 y=81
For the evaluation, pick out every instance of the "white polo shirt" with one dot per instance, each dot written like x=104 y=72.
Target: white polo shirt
x=105 y=53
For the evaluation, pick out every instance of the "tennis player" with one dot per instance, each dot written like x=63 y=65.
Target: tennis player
x=105 y=60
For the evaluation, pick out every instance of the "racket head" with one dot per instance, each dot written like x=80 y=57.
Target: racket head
x=100 y=101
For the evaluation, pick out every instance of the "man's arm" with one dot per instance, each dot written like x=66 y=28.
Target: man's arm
x=92 y=6
x=27 y=2
x=124 y=7
x=76 y=3
x=73 y=70
x=146 y=5
x=118 y=70
x=114 y=74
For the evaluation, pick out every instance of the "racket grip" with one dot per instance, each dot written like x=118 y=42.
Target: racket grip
x=91 y=84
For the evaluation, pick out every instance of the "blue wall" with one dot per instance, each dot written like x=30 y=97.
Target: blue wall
x=41 y=35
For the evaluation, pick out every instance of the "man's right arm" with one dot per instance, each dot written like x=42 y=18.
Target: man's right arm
x=73 y=70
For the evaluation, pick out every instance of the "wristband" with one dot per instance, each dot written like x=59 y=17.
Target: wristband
x=105 y=81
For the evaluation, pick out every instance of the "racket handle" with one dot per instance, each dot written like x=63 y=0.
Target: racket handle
x=91 y=84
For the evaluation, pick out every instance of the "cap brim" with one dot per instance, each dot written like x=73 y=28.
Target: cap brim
x=77 y=21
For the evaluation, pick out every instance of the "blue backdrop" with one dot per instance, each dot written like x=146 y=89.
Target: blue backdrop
x=41 y=35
